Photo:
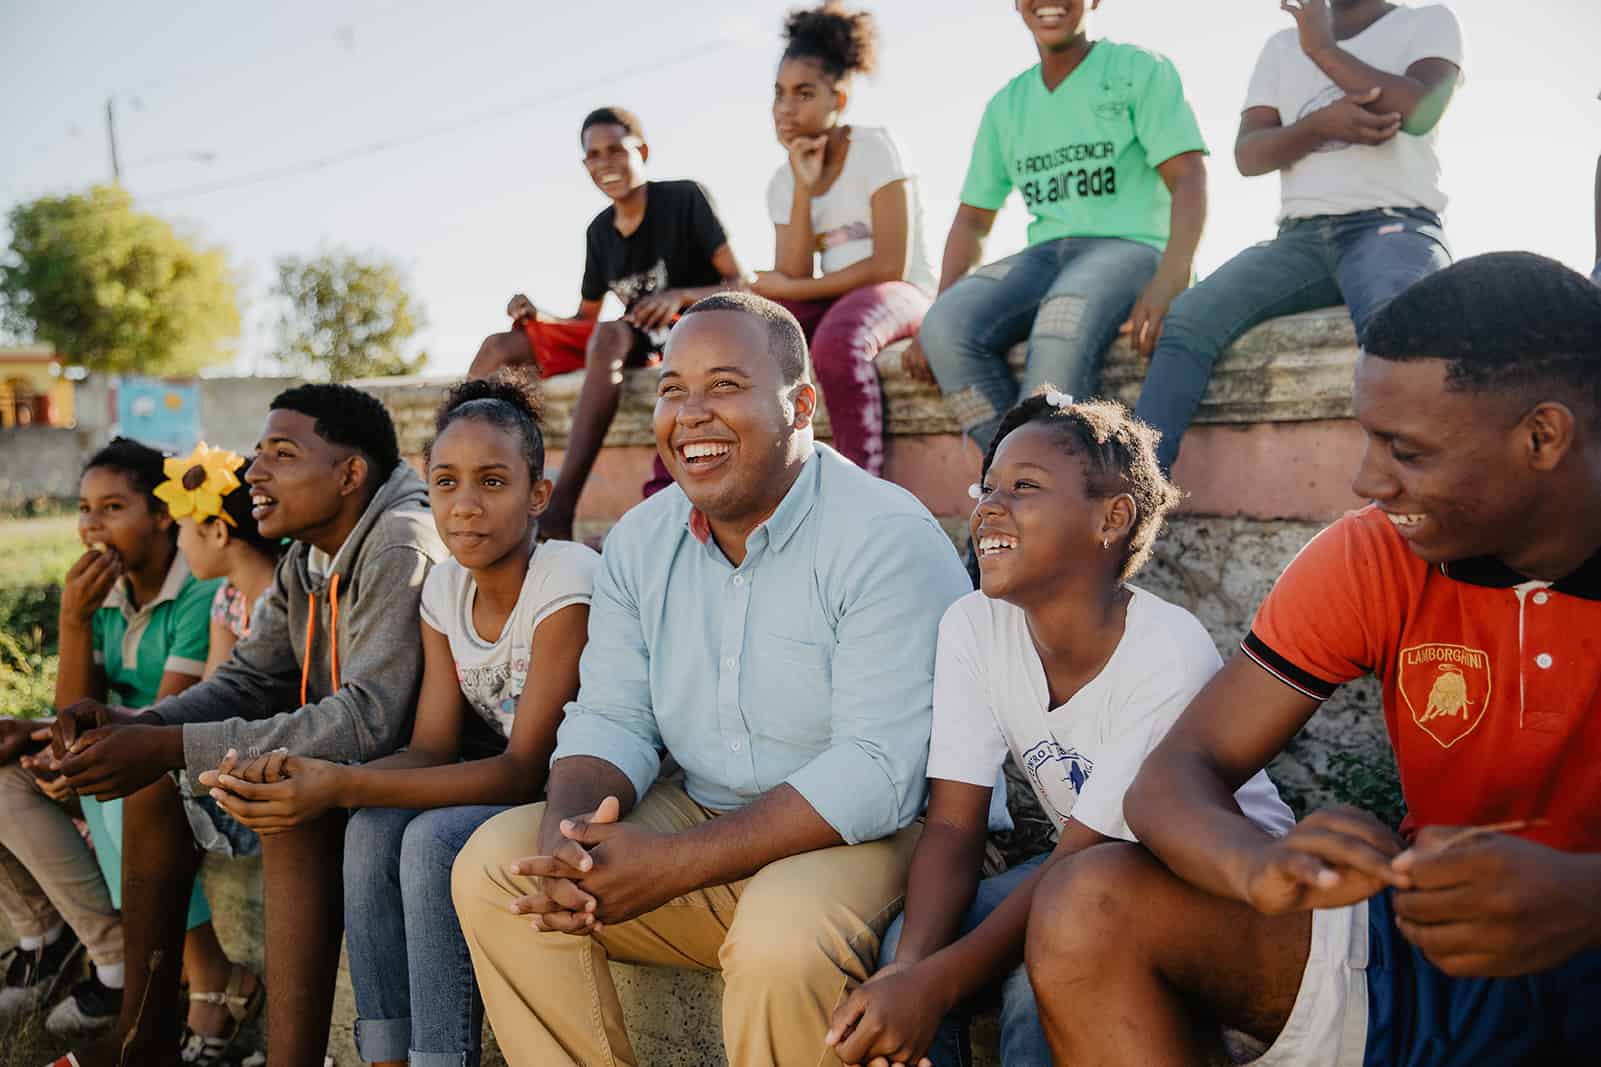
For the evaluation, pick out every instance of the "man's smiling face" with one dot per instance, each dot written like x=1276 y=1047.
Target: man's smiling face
x=725 y=420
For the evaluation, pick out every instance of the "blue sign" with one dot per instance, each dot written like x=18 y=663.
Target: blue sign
x=164 y=415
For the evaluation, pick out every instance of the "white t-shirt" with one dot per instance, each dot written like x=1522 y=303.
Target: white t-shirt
x=842 y=218
x=991 y=698
x=1340 y=178
x=492 y=673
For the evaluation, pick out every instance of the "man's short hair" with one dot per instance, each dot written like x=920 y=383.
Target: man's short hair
x=785 y=339
x=1508 y=322
x=613 y=116
x=346 y=416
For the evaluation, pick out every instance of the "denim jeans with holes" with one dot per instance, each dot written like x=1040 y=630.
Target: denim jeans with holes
x=1363 y=260
x=416 y=1000
x=1066 y=297
x=1022 y=1036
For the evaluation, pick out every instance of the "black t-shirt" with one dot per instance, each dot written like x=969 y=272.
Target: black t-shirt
x=672 y=249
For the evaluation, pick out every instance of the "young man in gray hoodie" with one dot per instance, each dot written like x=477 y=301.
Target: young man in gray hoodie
x=330 y=669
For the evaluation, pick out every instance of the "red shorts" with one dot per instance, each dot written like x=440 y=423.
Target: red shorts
x=560 y=347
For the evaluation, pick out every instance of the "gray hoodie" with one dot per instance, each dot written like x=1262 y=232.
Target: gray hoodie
x=361 y=657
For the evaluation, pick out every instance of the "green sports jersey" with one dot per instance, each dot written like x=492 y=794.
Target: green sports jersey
x=171 y=633
x=1085 y=155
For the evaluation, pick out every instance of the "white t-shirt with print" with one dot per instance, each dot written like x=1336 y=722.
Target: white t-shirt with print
x=991 y=698
x=842 y=218
x=1340 y=178
x=492 y=673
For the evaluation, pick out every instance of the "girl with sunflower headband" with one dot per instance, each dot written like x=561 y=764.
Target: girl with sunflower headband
x=219 y=538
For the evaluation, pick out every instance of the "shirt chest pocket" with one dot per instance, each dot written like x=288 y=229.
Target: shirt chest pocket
x=788 y=690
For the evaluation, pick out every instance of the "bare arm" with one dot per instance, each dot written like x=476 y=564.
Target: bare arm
x=1264 y=145
x=1185 y=177
x=777 y=824
x=428 y=775
x=1182 y=807
x=891 y=231
x=971 y=963
x=221 y=646
x=964 y=245
x=945 y=867
x=1419 y=96
x=794 y=252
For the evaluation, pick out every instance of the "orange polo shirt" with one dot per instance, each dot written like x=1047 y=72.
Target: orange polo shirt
x=1492 y=680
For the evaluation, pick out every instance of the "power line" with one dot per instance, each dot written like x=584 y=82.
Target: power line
x=390 y=144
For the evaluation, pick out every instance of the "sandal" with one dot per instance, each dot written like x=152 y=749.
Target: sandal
x=201 y=1051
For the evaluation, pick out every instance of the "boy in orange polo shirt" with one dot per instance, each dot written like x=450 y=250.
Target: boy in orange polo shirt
x=1472 y=590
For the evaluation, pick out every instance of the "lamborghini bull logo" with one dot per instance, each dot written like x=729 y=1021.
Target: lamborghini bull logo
x=1446 y=688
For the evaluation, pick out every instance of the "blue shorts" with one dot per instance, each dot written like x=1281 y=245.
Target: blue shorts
x=1418 y=1015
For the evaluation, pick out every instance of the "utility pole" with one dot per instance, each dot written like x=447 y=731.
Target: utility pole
x=111 y=136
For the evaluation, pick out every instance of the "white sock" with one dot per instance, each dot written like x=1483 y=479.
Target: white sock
x=34 y=944
x=112 y=975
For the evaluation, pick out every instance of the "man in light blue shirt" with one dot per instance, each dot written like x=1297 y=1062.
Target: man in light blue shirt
x=770 y=624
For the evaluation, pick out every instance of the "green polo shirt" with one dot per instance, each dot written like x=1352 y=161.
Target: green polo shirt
x=170 y=633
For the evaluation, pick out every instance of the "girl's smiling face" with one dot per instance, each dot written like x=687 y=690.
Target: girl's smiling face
x=1036 y=519
x=113 y=514
x=482 y=493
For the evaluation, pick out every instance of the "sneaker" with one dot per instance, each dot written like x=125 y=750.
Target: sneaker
x=90 y=1008
x=32 y=976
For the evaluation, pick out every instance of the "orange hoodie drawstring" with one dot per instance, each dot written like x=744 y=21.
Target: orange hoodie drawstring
x=311 y=631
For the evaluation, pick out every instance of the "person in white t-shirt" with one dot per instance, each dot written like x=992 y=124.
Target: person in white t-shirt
x=504 y=621
x=845 y=194
x=1346 y=107
x=1076 y=674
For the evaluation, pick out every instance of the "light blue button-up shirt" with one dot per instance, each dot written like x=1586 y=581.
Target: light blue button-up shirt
x=812 y=663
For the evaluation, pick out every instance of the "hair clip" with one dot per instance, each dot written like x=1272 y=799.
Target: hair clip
x=195 y=486
x=975 y=490
x=1059 y=399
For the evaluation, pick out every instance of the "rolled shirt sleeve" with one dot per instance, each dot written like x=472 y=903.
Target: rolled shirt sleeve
x=900 y=579
x=613 y=719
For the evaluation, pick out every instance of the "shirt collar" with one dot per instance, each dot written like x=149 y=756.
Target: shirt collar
x=1487 y=571
x=171 y=586
x=785 y=520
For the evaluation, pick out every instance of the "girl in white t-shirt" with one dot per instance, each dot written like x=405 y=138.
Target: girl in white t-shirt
x=503 y=623
x=845 y=194
x=1076 y=674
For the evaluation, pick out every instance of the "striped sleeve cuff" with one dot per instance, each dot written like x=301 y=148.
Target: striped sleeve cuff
x=1297 y=679
x=182 y=665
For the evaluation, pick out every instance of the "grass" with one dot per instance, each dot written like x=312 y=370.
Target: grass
x=37 y=553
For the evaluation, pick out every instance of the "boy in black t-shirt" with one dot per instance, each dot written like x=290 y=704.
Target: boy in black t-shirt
x=659 y=248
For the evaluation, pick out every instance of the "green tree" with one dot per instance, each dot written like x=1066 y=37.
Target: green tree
x=346 y=316
x=116 y=289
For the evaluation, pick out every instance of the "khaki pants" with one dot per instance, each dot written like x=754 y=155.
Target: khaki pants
x=790 y=942
x=47 y=873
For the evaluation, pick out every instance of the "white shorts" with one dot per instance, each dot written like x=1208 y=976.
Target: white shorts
x=1328 y=1027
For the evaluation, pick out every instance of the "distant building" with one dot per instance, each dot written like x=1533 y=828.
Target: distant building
x=34 y=388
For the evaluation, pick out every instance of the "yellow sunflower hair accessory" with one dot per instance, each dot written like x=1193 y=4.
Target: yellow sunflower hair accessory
x=195 y=486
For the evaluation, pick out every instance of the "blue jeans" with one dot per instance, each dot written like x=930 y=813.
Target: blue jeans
x=1067 y=297
x=1022 y=1036
x=416 y=1000
x=1363 y=260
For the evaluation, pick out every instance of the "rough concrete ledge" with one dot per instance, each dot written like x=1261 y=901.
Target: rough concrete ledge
x=1292 y=369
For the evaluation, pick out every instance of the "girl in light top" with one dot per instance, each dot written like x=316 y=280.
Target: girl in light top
x=1076 y=674
x=503 y=624
x=844 y=193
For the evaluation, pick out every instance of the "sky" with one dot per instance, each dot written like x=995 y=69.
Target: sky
x=445 y=136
